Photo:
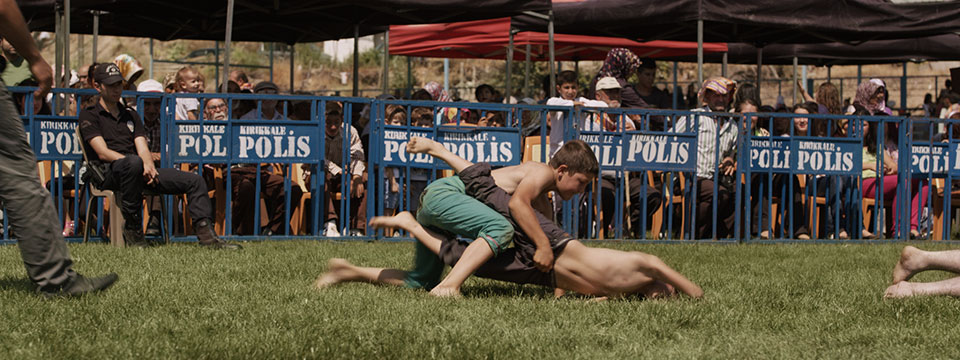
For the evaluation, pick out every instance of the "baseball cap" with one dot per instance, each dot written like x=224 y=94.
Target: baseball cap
x=265 y=85
x=150 y=85
x=719 y=85
x=107 y=74
x=608 y=83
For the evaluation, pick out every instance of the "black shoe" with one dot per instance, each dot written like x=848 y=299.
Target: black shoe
x=134 y=238
x=80 y=285
x=208 y=238
x=153 y=227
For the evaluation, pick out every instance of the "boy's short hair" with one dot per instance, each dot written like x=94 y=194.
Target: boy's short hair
x=648 y=63
x=567 y=77
x=578 y=157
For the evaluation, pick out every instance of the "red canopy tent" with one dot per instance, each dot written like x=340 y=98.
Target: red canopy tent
x=489 y=39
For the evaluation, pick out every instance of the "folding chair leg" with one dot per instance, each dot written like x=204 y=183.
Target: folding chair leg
x=86 y=220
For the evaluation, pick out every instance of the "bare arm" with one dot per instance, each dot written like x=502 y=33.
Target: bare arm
x=522 y=211
x=100 y=146
x=14 y=29
x=657 y=269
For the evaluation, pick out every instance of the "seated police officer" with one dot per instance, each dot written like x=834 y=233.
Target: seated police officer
x=117 y=138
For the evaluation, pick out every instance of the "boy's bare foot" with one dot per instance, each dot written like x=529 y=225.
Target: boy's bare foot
x=899 y=290
x=402 y=220
x=338 y=270
x=907 y=264
x=417 y=145
x=446 y=292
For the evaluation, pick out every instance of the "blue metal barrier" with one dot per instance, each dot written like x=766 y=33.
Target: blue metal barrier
x=637 y=163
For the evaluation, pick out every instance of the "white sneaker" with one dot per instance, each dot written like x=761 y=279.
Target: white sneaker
x=331 y=230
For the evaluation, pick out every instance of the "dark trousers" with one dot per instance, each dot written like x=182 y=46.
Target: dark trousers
x=357 y=204
x=761 y=190
x=126 y=177
x=243 y=185
x=30 y=210
x=636 y=184
x=704 y=208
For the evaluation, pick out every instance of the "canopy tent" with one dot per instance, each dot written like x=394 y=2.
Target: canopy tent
x=288 y=21
x=489 y=39
x=759 y=22
x=933 y=48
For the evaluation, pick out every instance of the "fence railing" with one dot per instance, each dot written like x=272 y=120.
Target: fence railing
x=321 y=167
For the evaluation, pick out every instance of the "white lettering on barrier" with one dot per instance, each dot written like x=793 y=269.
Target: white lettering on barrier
x=63 y=142
x=930 y=159
x=767 y=158
x=485 y=151
x=274 y=146
x=824 y=160
x=657 y=149
x=202 y=145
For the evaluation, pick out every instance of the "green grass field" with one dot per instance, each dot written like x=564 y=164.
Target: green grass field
x=762 y=301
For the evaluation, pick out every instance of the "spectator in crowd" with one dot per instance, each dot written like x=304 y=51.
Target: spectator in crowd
x=268 y=108
x=651 y=94
x=240 y=77
x=621 y=64
x=485 y=94
x=747 y=100
x=871 y=95
x=169 y=83
x=116 y=142
x=336 y=167
x=947 y=87
x=202 y=80
x=188 y=82
x=691 y=101
x=27 y=205
x=928 y=105
x=913 y=261
x=796 y=212
x=567 y=91
x=876 y=179
x=215 y=109
x=152 y=128
x=444 y=115
x=827 y=98
x=82 y=75
x=716 y=139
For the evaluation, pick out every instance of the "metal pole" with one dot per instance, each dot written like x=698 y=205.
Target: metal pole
x=446 y=75
x=723 y=70
x=675 y=90
x=795 y=61
x=96 y=34
x=271 y=61
x=829 y=73
x=903 y=89
x=859 y=74
x=507 y=83
x=386 y=62
x=803 y=80
x=226 y=48
x=293 y=52
x=356 y=60
x=760 y=68
x=58 y=47
x=526 y=72
x=151 y=60
x=216 y=59
x=409 y=77
x=700 y=53
x=66 y=45
x=553 y=73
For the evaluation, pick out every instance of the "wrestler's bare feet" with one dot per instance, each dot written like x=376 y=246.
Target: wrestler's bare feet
x=899 y=290
x=907 y=265
x=403 y=220
x=446 y=292
x=338 y=270
x=418 y=145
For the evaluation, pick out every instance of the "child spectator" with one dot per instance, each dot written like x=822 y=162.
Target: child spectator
x=568 y=92
x=187 y=81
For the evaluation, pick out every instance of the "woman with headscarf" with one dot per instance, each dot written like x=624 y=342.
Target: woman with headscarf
x=620 y=64
x=871 y=96
x=437 y=93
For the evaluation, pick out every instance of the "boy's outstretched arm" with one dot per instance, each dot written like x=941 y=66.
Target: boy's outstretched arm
x=521 y=209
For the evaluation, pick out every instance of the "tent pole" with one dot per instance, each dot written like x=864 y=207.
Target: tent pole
x=507 y=93
x=723 y=70
x=96 y=34
x=386 y=61
x=216 y=59
x=356 y=60
x=446 y=75
x=803 y=80
x=795 y=62
x=66 y=45
x=293 y=52
x=576 y=68
x=226 y=48
x=151 y=59
x=58 y=47
x=526 y=72
x=903 y=89
x=760 y=68
x=859 y=74
x=829 y=71
x=409 y=77
x=675 y=89
x=553 y=73
x=271 y=61
x=700 y=52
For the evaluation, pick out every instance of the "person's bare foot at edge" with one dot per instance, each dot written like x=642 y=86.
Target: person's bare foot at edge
x=338 y=270
x=402 y=220
x=906 y=265
x=898 y=291
x=445 y=292
x=417 y=145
